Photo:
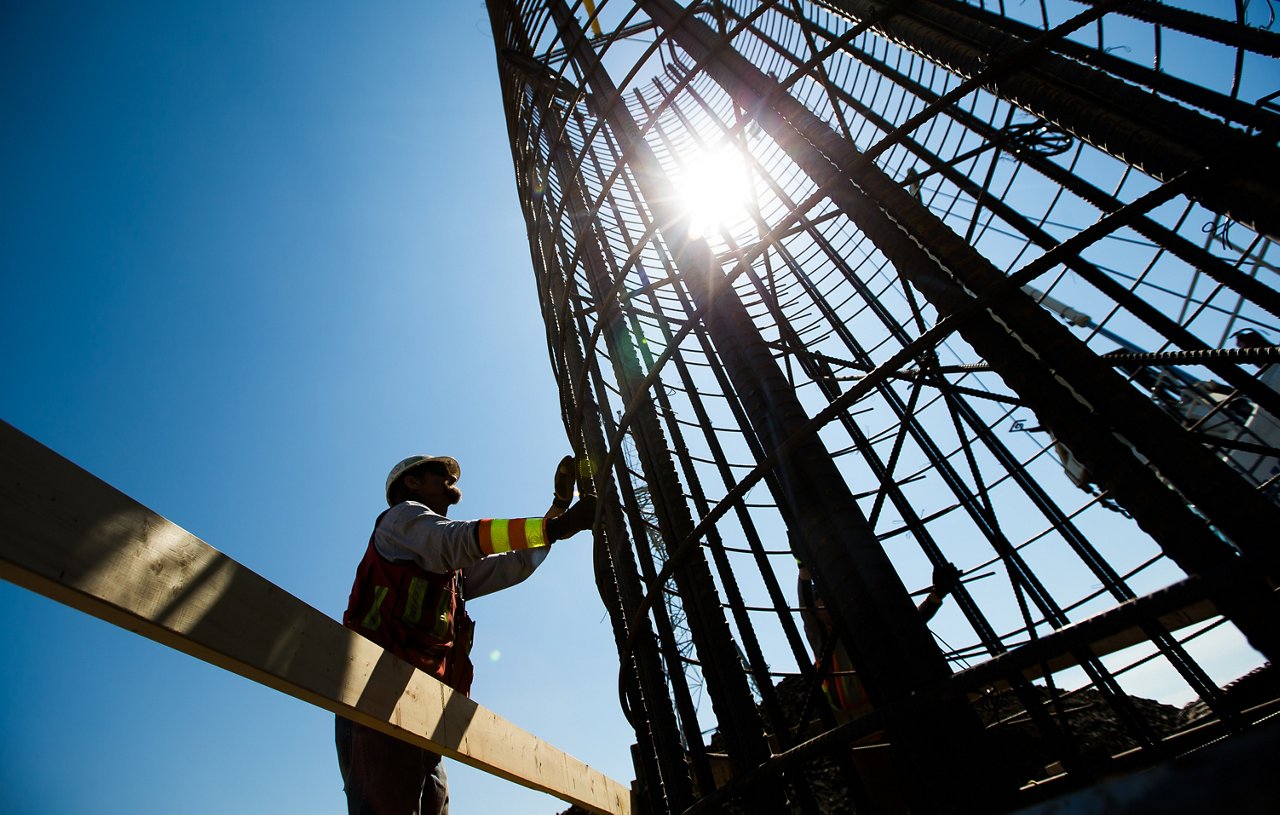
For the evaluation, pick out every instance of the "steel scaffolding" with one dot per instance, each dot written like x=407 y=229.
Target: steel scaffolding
x=885 y=286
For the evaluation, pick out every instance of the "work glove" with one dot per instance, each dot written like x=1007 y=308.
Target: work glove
x=575 y=519
x=564 y=483
x=945 y=578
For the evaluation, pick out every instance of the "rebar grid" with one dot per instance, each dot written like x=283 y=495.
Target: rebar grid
x=975 y=298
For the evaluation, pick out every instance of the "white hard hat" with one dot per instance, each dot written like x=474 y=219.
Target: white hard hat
x=451 y=464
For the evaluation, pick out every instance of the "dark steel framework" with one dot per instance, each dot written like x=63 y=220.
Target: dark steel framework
x=989 y=283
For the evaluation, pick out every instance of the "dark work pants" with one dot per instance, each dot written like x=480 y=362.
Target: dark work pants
x=385 y=776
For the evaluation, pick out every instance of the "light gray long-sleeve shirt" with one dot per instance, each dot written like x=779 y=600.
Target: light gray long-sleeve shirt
x=413 y=531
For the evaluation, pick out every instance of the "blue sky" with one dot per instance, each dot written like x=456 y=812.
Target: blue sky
x=254 y=253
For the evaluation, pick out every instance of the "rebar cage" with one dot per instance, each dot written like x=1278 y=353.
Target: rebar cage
x=881 y=287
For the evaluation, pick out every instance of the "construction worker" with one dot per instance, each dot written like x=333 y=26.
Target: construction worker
x=409 y=596
x=843 y=688
x=882 y=784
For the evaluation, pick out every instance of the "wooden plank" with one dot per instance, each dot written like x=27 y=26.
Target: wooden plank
x=68 y=535
x=1193 y=614
x=1190 y=615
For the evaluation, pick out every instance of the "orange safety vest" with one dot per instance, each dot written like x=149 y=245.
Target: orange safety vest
x=844 y=689
x=419 y=616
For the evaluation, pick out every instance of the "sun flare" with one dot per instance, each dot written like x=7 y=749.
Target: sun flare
x=714 y=190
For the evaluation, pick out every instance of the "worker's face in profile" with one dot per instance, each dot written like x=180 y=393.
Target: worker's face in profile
x=433 y=485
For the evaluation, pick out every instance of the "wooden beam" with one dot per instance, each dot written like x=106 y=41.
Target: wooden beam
x=75 y=539
x=1133 y=635
x=1190 y=614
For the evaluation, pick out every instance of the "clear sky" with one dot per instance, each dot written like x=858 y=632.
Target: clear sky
x=253 y=254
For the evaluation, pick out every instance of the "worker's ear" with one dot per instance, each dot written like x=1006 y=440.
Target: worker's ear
x=403 y=487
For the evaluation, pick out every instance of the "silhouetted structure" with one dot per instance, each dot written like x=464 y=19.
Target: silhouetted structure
x=882 y=285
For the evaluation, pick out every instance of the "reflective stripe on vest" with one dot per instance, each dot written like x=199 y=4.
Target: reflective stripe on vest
x=374 y=619
x=413 y=604
x=413 y=607
x=843 y=687
x=498 y=535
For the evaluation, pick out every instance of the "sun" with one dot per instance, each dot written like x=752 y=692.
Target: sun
x=714 y=190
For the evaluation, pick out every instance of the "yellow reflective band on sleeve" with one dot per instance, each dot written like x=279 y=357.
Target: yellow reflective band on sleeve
x=500 y=535
x=535 y=532
x=374 y=619
x=494 y=537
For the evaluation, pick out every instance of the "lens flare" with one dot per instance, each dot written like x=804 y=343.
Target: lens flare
x=714 y=190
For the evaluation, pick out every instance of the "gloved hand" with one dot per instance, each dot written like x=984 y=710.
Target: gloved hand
x=575 y=519
x=564 y=483
x=945 y=578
